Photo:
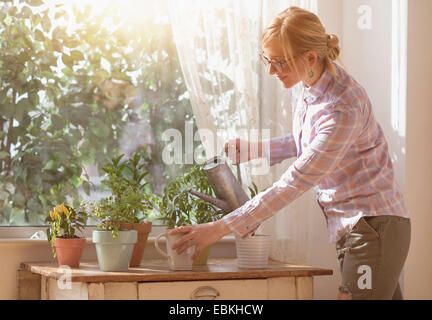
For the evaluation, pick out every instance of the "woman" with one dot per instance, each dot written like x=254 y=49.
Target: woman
x=340 y=150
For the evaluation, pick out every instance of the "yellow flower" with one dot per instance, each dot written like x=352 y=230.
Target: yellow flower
x=52 y=215
x=64 y=210
x=57 y=212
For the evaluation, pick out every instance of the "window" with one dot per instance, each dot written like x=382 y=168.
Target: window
x=81 y=82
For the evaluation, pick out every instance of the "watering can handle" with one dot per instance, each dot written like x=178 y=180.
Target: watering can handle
x=239 y=173
x=239 y=178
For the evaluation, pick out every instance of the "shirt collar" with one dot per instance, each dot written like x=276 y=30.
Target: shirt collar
x=318 y=88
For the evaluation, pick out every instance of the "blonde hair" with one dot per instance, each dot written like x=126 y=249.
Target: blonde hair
x=299 y=30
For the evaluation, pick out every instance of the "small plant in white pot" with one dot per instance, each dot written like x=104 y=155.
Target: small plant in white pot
x=115 y=238
x=178 y=207
x=127 y=183
x=113 y=246
x=253 y=251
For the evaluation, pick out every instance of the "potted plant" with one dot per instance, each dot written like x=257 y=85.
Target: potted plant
x=66 y=245
x=138 y=199
x=253 y=251
x=122 y=215
x=179 y=207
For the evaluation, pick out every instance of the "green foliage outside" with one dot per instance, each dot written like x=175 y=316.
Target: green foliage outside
x=67 y=98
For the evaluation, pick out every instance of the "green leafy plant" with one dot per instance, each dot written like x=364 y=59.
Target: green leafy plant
x=64 y=222
x=130 y=200
x=179 y=207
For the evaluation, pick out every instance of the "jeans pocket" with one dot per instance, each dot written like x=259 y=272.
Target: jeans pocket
x=364 y=226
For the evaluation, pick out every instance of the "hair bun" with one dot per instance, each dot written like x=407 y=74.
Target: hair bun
x=332 y=41
x=333 y=49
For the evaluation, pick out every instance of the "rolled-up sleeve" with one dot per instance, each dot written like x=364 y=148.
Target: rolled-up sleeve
x=276 y=150
x=336 y=131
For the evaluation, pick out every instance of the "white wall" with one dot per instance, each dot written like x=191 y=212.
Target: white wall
x=418 y=267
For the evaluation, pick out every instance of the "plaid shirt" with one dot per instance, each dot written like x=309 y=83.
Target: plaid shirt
x=341 y=151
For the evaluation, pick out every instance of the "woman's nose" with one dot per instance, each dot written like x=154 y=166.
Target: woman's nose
x=271 y=69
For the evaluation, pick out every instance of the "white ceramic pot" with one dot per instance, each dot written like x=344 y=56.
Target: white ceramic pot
x=114 y=254
x=253 y=251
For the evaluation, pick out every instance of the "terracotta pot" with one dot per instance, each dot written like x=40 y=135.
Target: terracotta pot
x=202 y=258
x=69 y=251
x=143 y=229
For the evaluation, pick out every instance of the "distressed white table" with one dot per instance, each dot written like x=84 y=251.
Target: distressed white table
x=219 y=279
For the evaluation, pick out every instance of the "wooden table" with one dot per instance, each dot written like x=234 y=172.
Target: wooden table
x=219 y=279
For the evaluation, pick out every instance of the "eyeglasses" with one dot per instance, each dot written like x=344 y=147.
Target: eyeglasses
x=278 y=65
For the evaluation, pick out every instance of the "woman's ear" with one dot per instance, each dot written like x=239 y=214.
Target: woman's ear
x=311 y=58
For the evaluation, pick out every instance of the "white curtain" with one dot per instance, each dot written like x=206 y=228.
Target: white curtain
x=218 y=51
x=218 y=42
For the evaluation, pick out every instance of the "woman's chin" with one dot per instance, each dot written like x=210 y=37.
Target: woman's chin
x=288 y=85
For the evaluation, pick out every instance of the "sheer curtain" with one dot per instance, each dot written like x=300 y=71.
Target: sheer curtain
x=217 y=43
x=231 y=94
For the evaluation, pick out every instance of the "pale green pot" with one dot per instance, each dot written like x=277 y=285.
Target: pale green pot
x=114 y=254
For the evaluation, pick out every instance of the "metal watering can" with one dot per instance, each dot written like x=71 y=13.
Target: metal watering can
x=228 y=190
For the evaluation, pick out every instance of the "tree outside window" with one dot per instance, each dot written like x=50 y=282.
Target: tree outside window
x=78 y=87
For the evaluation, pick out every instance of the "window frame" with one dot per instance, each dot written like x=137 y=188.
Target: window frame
x=25 y=232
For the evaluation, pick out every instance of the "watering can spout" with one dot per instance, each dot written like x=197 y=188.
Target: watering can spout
x=228 y=190
x=221 y=204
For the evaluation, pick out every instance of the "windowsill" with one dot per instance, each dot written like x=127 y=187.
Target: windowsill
x=21 y=235
x=22 y=241
x=28 y=241
x=25 y=232
x=151 y=239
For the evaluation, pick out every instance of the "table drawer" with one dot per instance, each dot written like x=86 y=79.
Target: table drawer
x=284 y=288
x=254 y=289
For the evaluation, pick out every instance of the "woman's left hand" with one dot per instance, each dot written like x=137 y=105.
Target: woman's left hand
x=200 y=235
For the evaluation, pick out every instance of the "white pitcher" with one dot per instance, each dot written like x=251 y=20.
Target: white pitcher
x=175 y=261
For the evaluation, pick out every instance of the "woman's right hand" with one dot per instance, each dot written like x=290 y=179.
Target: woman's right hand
x=238 y=150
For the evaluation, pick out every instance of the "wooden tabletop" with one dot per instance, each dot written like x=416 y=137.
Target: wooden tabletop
x=157 y=270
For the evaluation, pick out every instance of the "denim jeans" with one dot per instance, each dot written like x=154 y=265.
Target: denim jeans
x=371 y=257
